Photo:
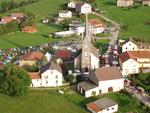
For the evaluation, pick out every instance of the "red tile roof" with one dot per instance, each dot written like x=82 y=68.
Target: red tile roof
x=6 y=19
x=94 y=107
x=35 y=55
x=96 y=22
x=134 y=55
x=34 y=75
x=29 y=29
x=64 y=54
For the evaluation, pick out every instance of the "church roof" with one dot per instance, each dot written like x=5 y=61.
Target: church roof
x=94 y=51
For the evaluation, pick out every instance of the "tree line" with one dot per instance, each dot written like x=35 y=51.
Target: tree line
x=9 y=5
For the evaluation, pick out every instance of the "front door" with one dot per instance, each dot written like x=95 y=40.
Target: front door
x=110 y=89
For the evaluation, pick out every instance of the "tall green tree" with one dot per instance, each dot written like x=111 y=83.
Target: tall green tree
x=15 y=82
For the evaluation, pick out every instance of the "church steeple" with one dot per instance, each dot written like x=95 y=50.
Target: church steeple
x=86 y=26
x=86 y=48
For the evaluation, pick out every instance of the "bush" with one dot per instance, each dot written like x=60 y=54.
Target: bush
x=69 y=78
x=15 y=82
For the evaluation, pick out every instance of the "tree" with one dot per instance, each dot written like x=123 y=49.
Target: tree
x=69 y=78
x=15 y=81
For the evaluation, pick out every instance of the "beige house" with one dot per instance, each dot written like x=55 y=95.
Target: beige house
x=125 y=3
x=103 y=105
x=102 y=80
x=31 y=58
x=65 y=14
x=132 y=61
x=146 y=2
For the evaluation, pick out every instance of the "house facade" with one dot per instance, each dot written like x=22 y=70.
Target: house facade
x=83 y=8
x=103 y=105
x=131 y=45
x=146 y=2
x=35 y=79
x=31 y=59
x=102 y=81
x=125 y=3
x=132 y=61
x=50 y=75
x=65 y=14
x=96 y=26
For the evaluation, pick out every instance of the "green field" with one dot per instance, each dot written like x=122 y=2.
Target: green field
x=48 y=101
x=133 y=18
x=40 y=9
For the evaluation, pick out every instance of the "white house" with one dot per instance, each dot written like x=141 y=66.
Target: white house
x=124 y=3
x=77 y=28
x=50 y=75
x=64 y=33
x=83 y=8
x=103 y=105
x=102 y=80
x=35 y=78
x=146 y=2
x=96 y=26
x=65 y=14
x=132 y=61
x=131 y=45
x=72 y=5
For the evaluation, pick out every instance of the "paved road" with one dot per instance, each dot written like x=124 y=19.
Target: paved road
x=144 y=99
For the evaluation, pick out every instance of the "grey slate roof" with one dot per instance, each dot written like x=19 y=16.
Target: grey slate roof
x=87 y=85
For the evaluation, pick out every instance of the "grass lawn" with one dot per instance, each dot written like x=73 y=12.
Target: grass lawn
x=41 y=102
x=48 y=101
x=102 y=44
x=133 y=18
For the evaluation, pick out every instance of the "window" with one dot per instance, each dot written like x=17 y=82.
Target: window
x=85 y=53
x=51 y=72
x=107 y=109
x=126 y=48
x=112 y=108
x=85 y=46
x=56 y=81
x=46 y=77
x=46 y=82
x=56 y=76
